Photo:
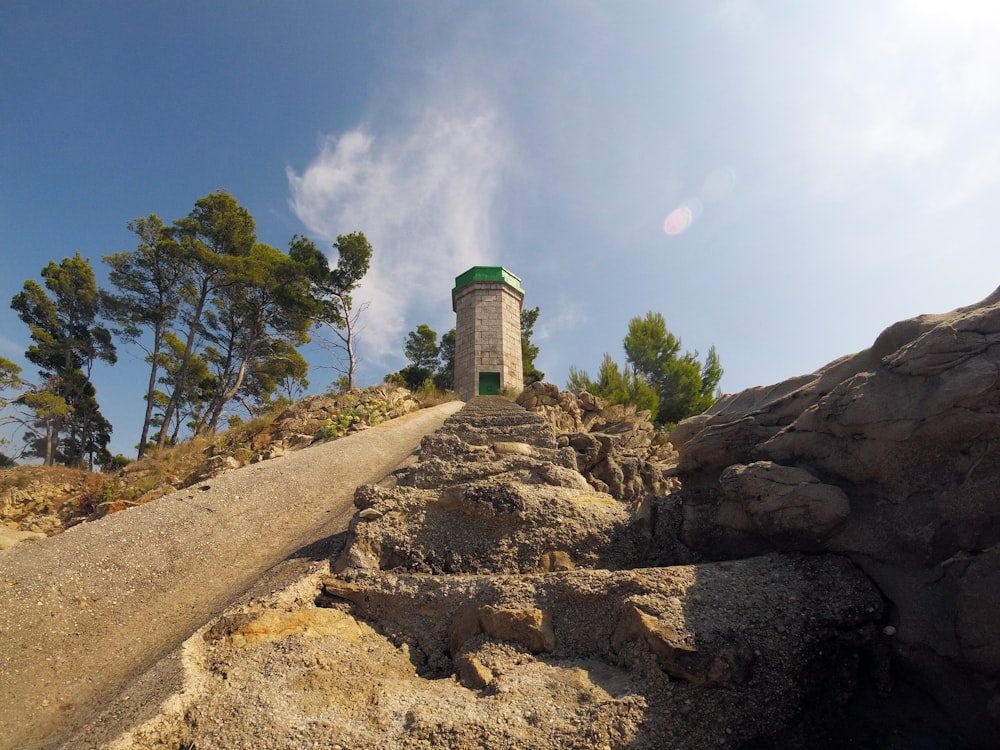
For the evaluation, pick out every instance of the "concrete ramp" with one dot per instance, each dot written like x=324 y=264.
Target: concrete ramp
x=84 y=613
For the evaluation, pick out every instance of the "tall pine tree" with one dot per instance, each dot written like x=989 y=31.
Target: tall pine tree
x=147 y=299
x=68 y=340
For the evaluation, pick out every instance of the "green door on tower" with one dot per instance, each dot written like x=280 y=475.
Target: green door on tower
x=489 y=384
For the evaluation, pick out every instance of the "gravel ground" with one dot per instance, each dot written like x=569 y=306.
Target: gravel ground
x=85 y=613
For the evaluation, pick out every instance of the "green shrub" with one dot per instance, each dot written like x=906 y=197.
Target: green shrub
x=338 y=425
x=115 y=463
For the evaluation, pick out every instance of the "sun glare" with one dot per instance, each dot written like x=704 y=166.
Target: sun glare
x=681 y=218
x=717 y=185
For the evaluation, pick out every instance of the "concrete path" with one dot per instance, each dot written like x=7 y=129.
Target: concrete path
x=85 y=613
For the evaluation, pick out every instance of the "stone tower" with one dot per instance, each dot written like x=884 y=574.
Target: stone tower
x=487 y=303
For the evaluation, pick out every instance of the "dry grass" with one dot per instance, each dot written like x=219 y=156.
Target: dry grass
x=428 y=397
x=166 y=469
x=21 y=476
x=159 y=472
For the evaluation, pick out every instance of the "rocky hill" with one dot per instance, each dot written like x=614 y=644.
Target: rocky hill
x=488 y=595
x=811 y=564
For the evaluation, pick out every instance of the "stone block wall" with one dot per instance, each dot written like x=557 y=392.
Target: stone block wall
x=487 y=336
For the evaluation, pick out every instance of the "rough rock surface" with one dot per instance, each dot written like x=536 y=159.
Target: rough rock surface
x=617 y=448
x=11 y=537
x=818 y=566
x=787 y=506
x=37 y=501
x=892 y=458
x=476 y=607
x=477 y=502
x=322 y=417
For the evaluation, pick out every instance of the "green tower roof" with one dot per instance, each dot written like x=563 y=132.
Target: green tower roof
x=488 y=273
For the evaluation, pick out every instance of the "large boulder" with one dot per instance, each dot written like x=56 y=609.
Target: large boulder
x=786 y=505
x=898 y=448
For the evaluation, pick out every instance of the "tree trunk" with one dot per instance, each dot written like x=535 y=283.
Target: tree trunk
x=51 y=438
x=223 y=397
x=351 y=364
x=179 y=385
x=178 y=418
x=347 y=336
x=151 y=389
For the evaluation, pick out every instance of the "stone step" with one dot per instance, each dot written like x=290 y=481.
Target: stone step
x=489 y=419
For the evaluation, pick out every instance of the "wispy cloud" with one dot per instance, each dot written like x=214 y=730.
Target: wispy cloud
x=922 y=96
x=422 y=194
x=567 y=317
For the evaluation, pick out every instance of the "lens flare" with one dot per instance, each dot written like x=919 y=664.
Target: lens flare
x=717 y=185
x=681 y=218
x=677 y=221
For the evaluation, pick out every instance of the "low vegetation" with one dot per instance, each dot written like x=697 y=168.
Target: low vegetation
x=656 y=377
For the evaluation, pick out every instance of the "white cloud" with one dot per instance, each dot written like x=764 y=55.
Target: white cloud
x=423 y=197
x=343 y=167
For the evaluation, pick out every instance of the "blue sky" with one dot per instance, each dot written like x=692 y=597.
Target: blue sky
x=779 y=179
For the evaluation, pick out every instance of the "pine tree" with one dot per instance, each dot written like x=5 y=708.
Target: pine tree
x=148 y=280
x=68 y=340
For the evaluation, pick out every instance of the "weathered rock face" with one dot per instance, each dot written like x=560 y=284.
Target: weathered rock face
x=12 y=537
x=489 y=526
x=891 y=457
x=478 y=502
x=826 y=548
x=787 y=506
x=45 y=501
x=697 y=676
x=617 y=448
